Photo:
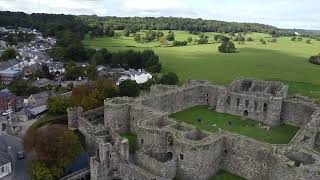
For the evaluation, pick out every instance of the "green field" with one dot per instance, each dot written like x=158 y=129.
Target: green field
x=224 y=175
x=285 y=60
x=212 y=121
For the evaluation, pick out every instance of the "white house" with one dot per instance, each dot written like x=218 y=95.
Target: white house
x=5 y=160
x=140 y=76
x=5 y=164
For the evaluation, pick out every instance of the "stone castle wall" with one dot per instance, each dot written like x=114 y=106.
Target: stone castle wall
x=297 y=111
x=168 y=149
x=246 y=158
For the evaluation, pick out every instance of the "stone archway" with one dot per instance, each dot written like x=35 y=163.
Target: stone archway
x=245 y=113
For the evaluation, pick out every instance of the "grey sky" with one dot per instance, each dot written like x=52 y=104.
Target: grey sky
x=281 y=13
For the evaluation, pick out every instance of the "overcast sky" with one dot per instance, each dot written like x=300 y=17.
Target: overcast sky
x=281 y=13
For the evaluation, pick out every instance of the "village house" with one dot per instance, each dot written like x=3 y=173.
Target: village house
x=5 y=161
x=38 y=99
x=7 y=76
x=8 y=101
x=140 y=76
x=56 y=68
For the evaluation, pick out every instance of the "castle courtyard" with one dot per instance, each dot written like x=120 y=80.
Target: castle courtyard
x=211 y=121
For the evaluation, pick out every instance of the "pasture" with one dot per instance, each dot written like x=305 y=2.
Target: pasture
x=284 y=60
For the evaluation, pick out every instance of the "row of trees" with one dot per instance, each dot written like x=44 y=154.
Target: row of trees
x=92 y=95
x=149 y=36
x=146 y=59
x=195 y=26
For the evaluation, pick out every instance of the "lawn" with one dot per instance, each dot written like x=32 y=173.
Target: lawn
x=224 y=175
x=285 y=60
x=132 y=138
x=212 y=121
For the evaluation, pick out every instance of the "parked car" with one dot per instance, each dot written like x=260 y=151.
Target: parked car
x=20 y=154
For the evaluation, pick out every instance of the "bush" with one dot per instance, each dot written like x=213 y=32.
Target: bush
x=308 y=41
x=227 y=47
x=315 y=59
x=249 y=39
x=180 y=43
x=169 y=79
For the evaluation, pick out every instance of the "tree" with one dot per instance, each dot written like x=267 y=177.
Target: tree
x=73 y=72
x=170 y=36
x=53 y=148
x=39 y=171
x=273 y=40
x=137 y=37
x=9 y=53
x=91 y=72
x=59 y=104
x=227 y=47
x=315 y=59
x=169 y=79
x=92 y=95
x=129 y=88
x=262 y=41
x=308 y=41
x=163 y=40
x=23 y=88
x=126 y=32
x=189 y=39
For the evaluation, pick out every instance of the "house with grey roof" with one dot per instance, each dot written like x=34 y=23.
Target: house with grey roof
x=39 y=99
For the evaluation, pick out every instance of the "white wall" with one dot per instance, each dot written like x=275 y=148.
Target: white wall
x=7 y=170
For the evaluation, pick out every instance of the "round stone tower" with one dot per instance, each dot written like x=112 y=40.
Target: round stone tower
x=73 y=117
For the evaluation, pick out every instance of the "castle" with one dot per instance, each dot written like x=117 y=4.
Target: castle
x=170 y=150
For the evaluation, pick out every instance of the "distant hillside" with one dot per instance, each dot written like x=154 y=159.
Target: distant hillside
x=52 y=23
x=174 y=23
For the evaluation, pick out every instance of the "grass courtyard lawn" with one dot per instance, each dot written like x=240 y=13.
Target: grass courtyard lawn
x=285 y=60
x=278 y=135
x=224 y=175
x=132 y=138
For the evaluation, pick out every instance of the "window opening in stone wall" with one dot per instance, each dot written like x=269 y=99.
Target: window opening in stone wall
x=181 y=156
x=247 y=103
x=265 y=107
x=228 y=100
x=238 y=101
x=170 y=140
x=255 y=106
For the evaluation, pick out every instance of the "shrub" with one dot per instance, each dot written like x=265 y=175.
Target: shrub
x=315 y=59
x=169 y=79
x=227 y=47
x=180 y=43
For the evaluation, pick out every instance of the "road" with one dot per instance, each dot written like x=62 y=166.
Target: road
x=19 y=167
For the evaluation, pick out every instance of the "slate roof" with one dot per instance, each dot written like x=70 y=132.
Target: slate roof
x=38 y=110
x=5 y=158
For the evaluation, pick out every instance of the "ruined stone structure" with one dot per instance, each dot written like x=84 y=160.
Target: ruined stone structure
x=167 y=149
